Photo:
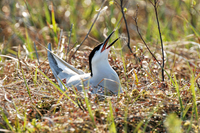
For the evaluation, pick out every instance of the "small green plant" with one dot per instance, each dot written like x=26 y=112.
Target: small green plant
x=173 y=124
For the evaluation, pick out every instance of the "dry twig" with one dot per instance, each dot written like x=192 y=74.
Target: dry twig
x=155 y=5
x=122 y=10
x=162 y=66
x=90 y=27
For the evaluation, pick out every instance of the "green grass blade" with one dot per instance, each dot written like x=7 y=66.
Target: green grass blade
x=192 y=27
x=29 y=45
x=138 y=127
x=35 y=77
x=112 y=128
x=88 y=105
x=179 y=97
x=4 y=117
x=147 y=120
x=125 y=119
x=25 y=116
x=26 y=83
x=67 y=89
x=54 y=24
x=149 y=117
x=47 y=14
x=191 y=120
x=57 y=87
x=192 y=87
x=23 y=74
x=185 y=111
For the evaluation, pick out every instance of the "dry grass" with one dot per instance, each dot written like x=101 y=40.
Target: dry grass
x=147 y=100
x=144 y=105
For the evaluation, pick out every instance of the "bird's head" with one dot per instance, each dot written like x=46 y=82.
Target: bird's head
x=100 y=53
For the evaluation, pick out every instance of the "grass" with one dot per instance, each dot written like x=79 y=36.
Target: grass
x=31 y=100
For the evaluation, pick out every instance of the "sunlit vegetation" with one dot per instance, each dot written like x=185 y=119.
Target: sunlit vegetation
x=31 y=100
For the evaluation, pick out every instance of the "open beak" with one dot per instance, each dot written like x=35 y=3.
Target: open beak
x=106 y=41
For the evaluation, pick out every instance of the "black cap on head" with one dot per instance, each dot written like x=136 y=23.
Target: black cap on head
x=91 y=56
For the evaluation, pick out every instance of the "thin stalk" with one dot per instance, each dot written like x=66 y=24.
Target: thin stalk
x=88 y=105
x=57 y=87
x=179 y=96
x=122 y=10
x=112 y=128
x=161 y=41
x=23 y=73
x=69 y=38
x=90 y=27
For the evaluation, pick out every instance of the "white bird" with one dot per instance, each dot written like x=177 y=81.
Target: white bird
x=102 y=77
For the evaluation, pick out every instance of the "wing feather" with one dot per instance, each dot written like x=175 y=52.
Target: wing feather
x=61 y=63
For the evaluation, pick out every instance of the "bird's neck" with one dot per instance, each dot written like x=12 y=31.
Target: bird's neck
x=101 y=68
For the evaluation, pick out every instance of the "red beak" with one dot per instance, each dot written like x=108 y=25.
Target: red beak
x=106 y=41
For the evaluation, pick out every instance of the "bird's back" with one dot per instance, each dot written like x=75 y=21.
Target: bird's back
x=76 y=80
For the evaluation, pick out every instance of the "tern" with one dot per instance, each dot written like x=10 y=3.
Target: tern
x=101 y=79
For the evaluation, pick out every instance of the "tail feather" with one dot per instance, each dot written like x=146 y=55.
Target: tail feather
x=60 y=68
x=61 y=63
x=53 y=64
